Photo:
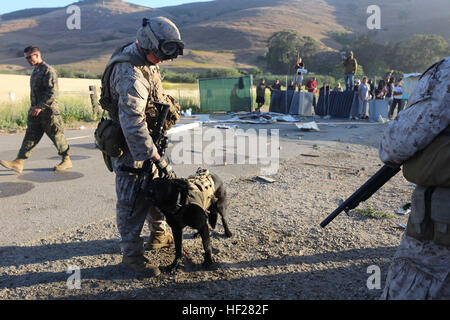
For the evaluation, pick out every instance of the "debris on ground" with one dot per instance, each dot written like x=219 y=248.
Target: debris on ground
x=402 y=212
x=221 y=126
x=265 y=179
x=401 y=226
x=183 y=127
x=310 y=155
x=256 y=118
x=381 y=119
x=308 y=126
x=187 y=113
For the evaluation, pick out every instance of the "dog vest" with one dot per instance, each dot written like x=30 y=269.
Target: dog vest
x=201 y=189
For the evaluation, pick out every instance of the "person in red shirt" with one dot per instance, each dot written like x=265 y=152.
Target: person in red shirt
x=311 y=85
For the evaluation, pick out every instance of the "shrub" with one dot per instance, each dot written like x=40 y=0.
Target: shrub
x=186 y=77
x=189 y=103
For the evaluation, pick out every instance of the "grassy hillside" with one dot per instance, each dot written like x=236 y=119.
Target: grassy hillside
x=221 y=33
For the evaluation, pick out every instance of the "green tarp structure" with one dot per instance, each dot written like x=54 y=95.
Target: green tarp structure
x=226 y=94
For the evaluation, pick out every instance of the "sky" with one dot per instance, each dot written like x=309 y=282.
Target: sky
x=9 y=6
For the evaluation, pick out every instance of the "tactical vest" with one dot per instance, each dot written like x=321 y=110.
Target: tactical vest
x=430 y=202
x=201 y=189
x=109 y=104
x=430 y=215
x=109 y=136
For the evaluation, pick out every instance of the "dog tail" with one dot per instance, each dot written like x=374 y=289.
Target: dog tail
x=212 y=218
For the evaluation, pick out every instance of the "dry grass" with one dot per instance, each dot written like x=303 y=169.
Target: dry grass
x=20 y=85
x=73 y=100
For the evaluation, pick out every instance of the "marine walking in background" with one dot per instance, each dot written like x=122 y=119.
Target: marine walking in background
x=43 y=115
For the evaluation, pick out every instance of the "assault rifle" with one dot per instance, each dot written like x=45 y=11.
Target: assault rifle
x=160 y=140
x=364 y=192
x=158 y=134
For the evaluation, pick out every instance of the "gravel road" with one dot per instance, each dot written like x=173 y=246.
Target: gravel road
x=278 y=250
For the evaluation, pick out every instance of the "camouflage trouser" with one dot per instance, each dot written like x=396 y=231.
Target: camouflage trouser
x=420 y=270
x=46 y=122
x=130 y=222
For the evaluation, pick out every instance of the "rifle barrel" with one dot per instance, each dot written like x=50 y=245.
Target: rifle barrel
x=364 y=192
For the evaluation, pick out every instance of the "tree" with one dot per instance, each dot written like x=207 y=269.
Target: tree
x=421 y=51
x=370 y=54
x=283 y=48
x=414 y=55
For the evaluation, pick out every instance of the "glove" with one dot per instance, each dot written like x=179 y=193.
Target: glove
x=165 y=170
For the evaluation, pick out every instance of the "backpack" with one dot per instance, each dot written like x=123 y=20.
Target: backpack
x=429 y=167
x=107 y=102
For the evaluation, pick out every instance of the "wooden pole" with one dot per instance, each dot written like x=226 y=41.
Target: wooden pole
x=94 y=99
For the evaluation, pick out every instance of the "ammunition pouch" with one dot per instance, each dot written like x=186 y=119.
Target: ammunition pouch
x=430 y=215
x=151 y=113
x=109 y=138
x=108 y=104
x=108 y=162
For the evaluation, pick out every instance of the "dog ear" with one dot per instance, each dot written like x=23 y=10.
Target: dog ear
x=212 y=218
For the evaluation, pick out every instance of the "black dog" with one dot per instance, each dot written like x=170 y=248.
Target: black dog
x=169 y=196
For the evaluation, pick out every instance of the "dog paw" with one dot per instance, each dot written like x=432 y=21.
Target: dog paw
x=209 y=265
x=229 y=234
x=175 y=266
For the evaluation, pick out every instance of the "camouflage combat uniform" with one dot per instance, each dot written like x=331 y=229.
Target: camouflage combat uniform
x=420 y=268
x=131 y=87
x=44 y=88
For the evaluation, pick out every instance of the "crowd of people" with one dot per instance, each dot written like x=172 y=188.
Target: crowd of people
x=387 y=89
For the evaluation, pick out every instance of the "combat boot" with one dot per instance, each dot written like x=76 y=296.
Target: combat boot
x=66 y=163
x=16 y=165
x=140 y=264
x=160 y=240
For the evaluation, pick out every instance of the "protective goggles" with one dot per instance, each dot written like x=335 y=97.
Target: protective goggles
x=167 y=49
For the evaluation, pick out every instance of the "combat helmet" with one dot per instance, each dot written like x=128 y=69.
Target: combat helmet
x=161 y=36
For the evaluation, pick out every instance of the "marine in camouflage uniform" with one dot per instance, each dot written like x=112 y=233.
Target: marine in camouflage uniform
x=131 y=87
x=420 y=268
x=44 y=89
x=134 y=87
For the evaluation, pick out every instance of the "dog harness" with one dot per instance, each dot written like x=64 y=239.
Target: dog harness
x=201 y=190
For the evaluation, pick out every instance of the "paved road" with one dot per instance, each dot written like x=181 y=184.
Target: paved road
x=39 y=202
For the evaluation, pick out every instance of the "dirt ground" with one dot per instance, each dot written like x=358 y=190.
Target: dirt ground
x=278 y=250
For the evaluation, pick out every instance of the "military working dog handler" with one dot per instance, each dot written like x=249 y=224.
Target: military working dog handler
x=130 y=84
